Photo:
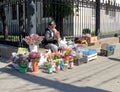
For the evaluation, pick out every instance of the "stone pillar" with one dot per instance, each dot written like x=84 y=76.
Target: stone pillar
x=31 y=17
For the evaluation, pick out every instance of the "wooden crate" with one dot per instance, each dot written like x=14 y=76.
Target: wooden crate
x=90 y=57
x=93 y=39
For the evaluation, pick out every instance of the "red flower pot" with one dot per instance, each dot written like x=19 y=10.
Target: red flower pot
x=57 y=68
x=35 y=66
x=71 y=64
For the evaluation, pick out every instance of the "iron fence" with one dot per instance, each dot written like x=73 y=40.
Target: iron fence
x=71 y=17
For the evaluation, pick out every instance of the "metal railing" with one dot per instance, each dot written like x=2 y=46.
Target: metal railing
x=71 y=17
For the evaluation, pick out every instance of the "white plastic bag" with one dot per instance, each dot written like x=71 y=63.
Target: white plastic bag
x=62 y=43
x=43 y=59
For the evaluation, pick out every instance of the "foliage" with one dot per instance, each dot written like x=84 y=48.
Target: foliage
x=57 y=62
x=11 y=37
x=23 y=59
x=67 y=51
x=59 y=8
x=86 y=31
x=71 y=60
x=50 y=65
x=93 y=33
x=20 y=59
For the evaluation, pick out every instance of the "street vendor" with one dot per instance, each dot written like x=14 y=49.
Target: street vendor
x=52 y=37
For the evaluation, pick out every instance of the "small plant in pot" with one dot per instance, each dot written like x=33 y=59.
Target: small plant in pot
x=86 y=31
x=50 y=68
x=35 y=56
x=57 y=63
x=23 y=62
x=71 y=63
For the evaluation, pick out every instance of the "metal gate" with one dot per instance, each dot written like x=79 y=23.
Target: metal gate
x=71 y=17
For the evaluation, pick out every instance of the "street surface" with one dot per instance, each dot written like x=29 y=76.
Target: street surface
x=100 y=75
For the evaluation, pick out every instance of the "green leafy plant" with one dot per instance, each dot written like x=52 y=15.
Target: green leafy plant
x=57 y=62
x=86 y=31
x=93 y=33
x=71 y=60
x=49 y=65
x=15 y=38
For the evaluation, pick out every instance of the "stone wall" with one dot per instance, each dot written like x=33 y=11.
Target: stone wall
x=5 y=51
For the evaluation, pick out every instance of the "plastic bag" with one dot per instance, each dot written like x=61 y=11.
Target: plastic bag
x=43 y=59
x=62 y=43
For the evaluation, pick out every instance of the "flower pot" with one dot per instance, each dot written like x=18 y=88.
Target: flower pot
x=22 y=70
x=35 y=66
x=65 y=66
x=61 y=65
x=23 y=65
x=71 y=65
x=57 y=68
x=33 y=48
x=50 y=70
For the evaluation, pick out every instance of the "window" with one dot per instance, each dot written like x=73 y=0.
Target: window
x=14 y=12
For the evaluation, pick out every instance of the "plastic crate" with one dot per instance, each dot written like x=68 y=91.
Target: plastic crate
x=80 y=61
x=106 y=52
x=90 y=57
x=89 y=52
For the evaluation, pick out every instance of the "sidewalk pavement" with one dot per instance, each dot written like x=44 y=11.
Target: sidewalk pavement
x=99 y=75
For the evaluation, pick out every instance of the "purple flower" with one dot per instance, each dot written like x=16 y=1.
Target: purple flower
x=34 y=55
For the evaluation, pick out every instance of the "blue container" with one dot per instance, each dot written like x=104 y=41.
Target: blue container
x=50 y=70
x=86 y=52
x=61 y=65
x=111 y=47
x=89 y=52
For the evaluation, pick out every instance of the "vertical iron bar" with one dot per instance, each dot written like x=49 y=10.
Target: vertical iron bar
x=97 y=29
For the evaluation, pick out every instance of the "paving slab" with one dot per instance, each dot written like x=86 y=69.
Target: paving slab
x=99 y=75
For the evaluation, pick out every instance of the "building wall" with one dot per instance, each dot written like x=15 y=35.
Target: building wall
x=110 y=23
x=85 y=18
x=72 y=25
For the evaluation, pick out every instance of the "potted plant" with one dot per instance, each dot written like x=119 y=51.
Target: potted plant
x=19 y=62
x=86 y=31
x=33 y=41
x=50 y=68
x=34 y=56
x=57 y=63
x=71 y=63
x=67 y=52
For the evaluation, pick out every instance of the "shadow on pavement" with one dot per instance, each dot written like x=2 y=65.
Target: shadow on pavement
x=3 y=60
x=60 y=87
x=114 y=59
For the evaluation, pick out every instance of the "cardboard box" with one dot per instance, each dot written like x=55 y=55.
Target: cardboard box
x=93 y=39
